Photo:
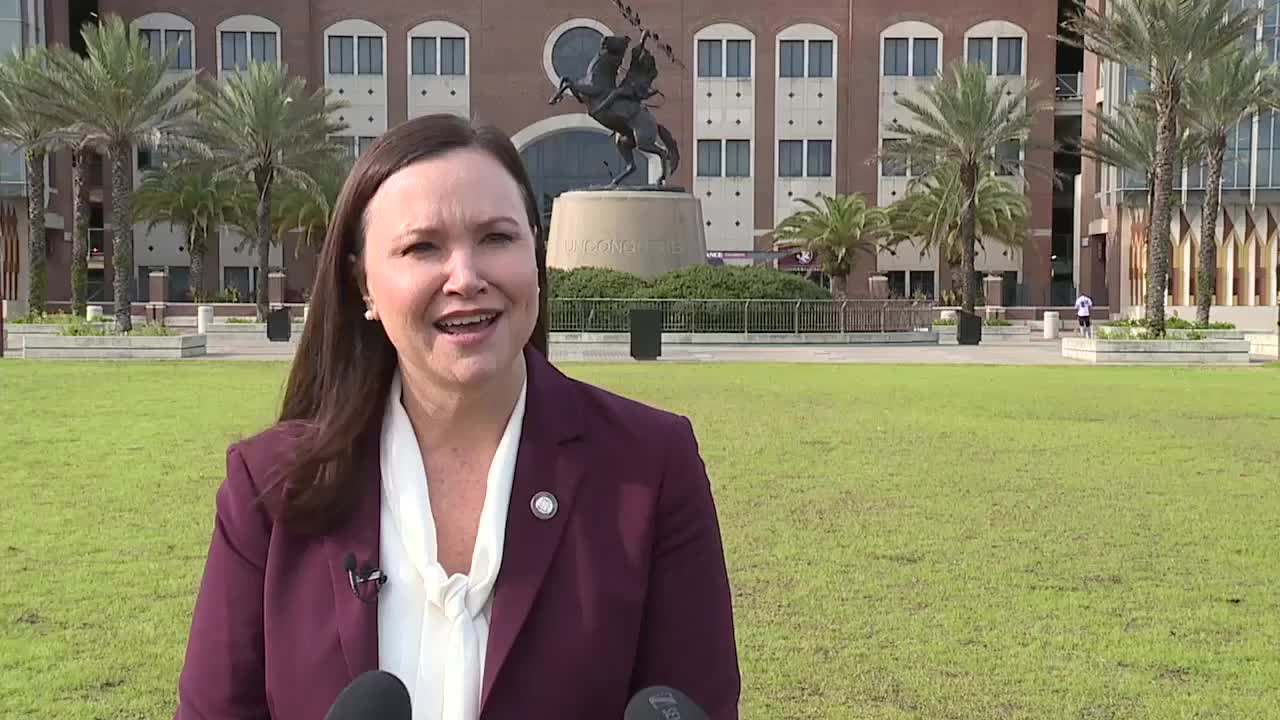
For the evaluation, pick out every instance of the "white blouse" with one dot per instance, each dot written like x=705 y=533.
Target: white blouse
x=432 y=629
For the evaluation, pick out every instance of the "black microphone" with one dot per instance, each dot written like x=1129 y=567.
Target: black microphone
x=375 y=695
x=368 y=575
x=662 y=703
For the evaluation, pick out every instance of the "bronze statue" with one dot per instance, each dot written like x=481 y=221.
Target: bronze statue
x=621 y=106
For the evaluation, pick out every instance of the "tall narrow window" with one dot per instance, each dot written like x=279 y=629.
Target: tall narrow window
x=710 y=58
x=453 y=56
x=820 y=58
x=737 y=59
x=423 y=55
x=341 y=55
x=791 y=59
x=980 y=53
x=708 y=158
x=369 y=55
x=897 y=56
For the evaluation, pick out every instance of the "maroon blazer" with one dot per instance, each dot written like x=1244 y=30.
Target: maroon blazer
x=623 y=588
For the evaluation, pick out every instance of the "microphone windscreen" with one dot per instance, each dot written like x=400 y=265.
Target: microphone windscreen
x=375 y=695
x=662 y=703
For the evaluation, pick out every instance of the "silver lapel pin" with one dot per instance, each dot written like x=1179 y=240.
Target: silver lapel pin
x=543 y=505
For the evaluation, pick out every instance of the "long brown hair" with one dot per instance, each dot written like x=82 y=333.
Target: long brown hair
x=344 y=363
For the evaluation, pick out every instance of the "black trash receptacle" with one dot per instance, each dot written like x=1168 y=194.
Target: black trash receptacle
x=279 y=326
x=968 y=328
x=646 y=333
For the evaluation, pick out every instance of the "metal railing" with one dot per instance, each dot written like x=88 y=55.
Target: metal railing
x=1069 y=86
x=604 y=315
x=97 y=242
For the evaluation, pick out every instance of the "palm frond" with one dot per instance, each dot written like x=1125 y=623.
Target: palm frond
x=1228 y=88
x=117 y=94
x=929 y=215
x=962 y=117
x=836 y=229
x=1163 y=40
x=23 y=78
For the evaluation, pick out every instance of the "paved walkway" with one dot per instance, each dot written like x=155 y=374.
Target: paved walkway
x=1039 y=353
x=1028 y=353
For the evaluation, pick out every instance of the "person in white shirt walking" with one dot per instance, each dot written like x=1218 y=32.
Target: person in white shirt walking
x=1084 y=306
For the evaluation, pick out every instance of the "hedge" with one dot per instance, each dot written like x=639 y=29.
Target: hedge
x=693 y=282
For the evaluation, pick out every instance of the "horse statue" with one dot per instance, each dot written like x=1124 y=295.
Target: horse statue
x=620 y=106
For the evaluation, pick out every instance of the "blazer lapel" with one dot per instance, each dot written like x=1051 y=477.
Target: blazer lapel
x=357 y=620
x=545 y=462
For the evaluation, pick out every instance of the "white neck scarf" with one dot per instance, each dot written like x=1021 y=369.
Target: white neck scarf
x=433 y=629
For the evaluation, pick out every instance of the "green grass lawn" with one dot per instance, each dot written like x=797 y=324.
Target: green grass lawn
x=922 y=542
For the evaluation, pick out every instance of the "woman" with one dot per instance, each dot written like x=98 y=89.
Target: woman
x=437 y=500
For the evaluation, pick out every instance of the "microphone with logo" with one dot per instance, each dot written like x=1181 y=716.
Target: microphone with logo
x=662 y=703
x=375 y=695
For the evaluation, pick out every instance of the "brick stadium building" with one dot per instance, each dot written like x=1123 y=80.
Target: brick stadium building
x=769 y=102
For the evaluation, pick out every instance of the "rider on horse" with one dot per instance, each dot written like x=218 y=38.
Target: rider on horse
x=637 y=84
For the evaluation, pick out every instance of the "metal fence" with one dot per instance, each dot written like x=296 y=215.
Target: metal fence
x=743 y=316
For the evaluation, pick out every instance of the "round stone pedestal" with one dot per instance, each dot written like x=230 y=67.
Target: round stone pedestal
x=644 y=232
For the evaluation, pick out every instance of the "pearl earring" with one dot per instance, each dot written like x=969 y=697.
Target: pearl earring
x=368 y=314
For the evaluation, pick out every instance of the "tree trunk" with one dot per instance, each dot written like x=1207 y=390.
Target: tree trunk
x=839 y=286
x=79 y=232
x=1151 y=206
x=121 y=235
x=37 y=269
x=196 y=249
x=262 y=180
x=1206 y=276
x=1158 y=272
x=968 y=237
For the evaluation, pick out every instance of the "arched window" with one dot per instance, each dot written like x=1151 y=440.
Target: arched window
x=573 y=51
x=575 y=160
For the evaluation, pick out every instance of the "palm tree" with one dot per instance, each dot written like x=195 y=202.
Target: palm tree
x=1163 y=41
x=309 y=210
x=117 y=98
x=260 y=124
x=20 y=125
x=190 y=196
x=81 y=154
x=1126 y=139
x=961 y=120
x=1220 y=94
x=835 y=229
x=930 y=216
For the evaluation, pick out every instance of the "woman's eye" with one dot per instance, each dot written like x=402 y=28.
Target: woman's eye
x=420 y=247
x=500 y=238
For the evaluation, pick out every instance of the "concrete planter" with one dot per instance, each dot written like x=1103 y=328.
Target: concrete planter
x=130 y=347
x=1179 y=333
x=999 y=334
x=15 y=332
x=1157 y=352
x=1265 y=345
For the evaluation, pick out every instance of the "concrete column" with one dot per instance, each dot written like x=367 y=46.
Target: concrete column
x=878 y=287
x=1229 y=279
x=275 y=290
x=1269 y=278
x=158 y=287
x=1052 y=323
x=993 y=288
x=204 y=318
